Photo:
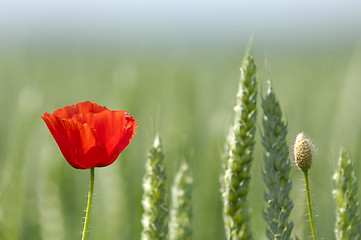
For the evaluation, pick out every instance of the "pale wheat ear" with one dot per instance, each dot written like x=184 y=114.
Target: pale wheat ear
x=303 y=154
x=348 y=222
x=155 y=199
x=278 y=204
x=239 y=157
x=180 y=226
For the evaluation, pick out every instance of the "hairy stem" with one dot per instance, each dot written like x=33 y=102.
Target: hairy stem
x=309 y=205
x=89 y=206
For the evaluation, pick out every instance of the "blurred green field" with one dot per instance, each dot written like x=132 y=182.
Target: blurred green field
x=186 y=93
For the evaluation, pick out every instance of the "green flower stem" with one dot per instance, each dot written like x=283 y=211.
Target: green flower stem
x=309 y=205
x=89 y=206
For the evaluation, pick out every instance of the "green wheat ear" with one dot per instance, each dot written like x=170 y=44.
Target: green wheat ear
x=276 y=172
x=155 y=216
x=181 y=212
x=348 y=224
x=240 y=146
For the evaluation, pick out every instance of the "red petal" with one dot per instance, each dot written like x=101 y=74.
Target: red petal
x=79 y=143
x=79 y=108
x=90 y=135
x=129 y=131
x=114 y=128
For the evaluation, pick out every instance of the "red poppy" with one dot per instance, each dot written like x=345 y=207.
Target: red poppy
x=90 y=135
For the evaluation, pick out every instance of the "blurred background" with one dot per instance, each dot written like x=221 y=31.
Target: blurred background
x=174 y=66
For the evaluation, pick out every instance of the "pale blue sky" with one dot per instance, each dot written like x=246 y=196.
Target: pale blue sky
x=181 y=19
